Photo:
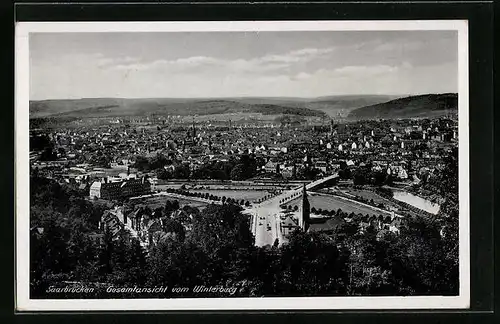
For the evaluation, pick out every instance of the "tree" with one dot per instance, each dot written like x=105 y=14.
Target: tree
x=168 y=206
x=174 y=226
x=379 y=178
x=181 y=171
x=310 y=265
x=360 y=177
x=141 y=163
x=345 y=173
x=163 y=174
x=105 y=256
x=177 y=264
x=224 y=234
x=48 y=155
x=238 y=172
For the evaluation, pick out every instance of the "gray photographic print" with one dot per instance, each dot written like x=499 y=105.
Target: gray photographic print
x=228 y=166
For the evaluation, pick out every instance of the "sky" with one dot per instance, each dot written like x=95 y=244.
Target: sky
x=242 y=64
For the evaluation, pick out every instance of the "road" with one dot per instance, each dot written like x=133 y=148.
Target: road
x=267 y=213
x=265 y=225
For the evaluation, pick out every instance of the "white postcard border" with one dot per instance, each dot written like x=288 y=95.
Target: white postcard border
x=22 y=82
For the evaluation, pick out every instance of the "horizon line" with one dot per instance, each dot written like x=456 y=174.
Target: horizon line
x=250 y=97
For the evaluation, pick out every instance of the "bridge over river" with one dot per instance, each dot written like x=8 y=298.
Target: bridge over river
x=265 y=220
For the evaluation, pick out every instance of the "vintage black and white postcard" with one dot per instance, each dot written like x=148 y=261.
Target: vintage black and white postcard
x=267 y=165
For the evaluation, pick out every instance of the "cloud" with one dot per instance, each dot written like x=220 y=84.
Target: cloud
x=357 y=71
x=106 y=61
x=301 y=76
x=361 y=70
x=263 y=64
x=399 y=46
x=181 y=64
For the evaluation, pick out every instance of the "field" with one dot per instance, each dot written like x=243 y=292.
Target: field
x=334 y=203
x=250 y=195
x=368 y=195
x=159 y=201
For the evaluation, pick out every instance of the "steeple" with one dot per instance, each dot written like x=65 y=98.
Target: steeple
x=193 y=128
x=305 y=215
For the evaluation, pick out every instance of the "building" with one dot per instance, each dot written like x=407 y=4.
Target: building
x=321 y=165
x=111 y=222
x=288 y=171
x=119 y=189
x=271 y=167
x=305 y=211
x=288 y=224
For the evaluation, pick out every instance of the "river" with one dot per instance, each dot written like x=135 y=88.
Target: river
x=416 y=201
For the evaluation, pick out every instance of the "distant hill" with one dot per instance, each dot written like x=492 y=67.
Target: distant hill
x=104 y=107
x=341 y=106
x=429 y=105
x=333 y=106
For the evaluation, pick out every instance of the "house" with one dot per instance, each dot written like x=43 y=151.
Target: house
x=271 y=167
x=185 y=218
x=398 y=171
x=288 y=224
x=287 y=171
x=395 y=224
x=96 y=238
x=150 y=228
x=110 y=222
x=402 y=174
x=321 y=165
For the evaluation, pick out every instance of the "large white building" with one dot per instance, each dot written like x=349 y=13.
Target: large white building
x=116 y=188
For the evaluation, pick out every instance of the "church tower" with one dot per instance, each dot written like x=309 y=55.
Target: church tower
x=305 y=211
x=193 y=129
